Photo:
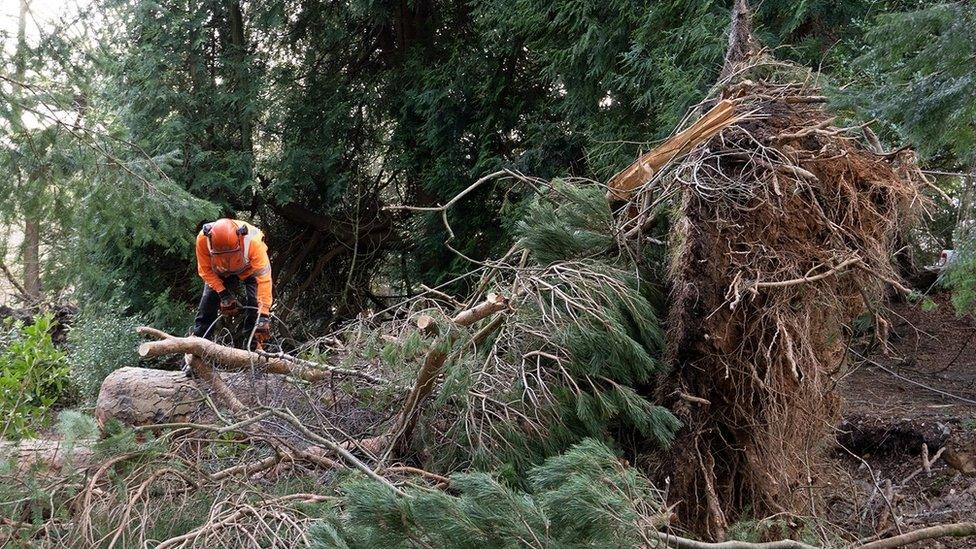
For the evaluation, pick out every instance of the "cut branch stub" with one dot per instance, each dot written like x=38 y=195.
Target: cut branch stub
x=492 y=304
x=426 y=325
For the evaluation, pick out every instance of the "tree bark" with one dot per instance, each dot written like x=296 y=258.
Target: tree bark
x=143 y=396
x=32 y=228
x=238 y=54
x=314 y=453
x=239 y=359
x=742 y=44
x=32 y=256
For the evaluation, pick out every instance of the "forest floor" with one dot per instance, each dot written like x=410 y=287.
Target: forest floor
x=887 y=419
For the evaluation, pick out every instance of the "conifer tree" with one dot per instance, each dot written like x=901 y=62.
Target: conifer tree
x=920 y=64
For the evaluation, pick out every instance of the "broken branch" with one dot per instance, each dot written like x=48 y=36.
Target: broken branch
x=956 y=530
x=433 y=364
x=275 y=363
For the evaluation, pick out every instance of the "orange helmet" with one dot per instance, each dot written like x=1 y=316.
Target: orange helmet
x=226 y=242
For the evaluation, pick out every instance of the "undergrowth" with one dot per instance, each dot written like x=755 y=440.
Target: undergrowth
x=102 y=339
x=34 y=377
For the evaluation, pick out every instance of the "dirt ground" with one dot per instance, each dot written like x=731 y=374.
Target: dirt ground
x=888 y=418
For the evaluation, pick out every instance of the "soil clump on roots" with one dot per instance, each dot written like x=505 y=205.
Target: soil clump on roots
x=785 y=233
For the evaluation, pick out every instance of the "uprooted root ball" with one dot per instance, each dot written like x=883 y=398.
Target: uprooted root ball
x=785 y=234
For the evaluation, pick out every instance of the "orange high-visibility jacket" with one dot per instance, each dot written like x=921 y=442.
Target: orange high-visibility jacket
x=256 y=263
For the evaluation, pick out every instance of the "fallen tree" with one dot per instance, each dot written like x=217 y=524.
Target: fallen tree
x=785 y=228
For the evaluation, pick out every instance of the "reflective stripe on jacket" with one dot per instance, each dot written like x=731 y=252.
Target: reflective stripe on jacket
x=212 y=267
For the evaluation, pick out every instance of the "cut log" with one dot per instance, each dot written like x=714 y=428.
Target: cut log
x=143 y=396
x=426 y=325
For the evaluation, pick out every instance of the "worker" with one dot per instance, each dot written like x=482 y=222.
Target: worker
x=230 y=252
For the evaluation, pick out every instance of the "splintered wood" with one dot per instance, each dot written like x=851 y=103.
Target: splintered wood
x=644 y=168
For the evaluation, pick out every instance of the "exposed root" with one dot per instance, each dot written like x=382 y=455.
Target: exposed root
x=785 y=234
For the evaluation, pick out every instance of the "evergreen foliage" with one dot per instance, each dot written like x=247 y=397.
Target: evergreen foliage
x=308 y=117
x=344 y=108
x=590 y=323
x=575 y=225
x=106 y=209
x=582 y=498
x=74 y=426
x=920 y=64
x=921 y=83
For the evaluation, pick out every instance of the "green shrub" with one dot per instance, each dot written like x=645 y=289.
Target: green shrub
x=34 y=375
x=102 y=340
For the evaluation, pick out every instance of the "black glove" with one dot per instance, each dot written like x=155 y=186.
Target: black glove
x=228 y=304
x=262 y=330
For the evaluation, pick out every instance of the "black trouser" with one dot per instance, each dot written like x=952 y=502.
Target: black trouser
x=210 y=306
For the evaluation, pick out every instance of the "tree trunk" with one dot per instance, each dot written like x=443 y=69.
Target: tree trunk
x=240 y=67
x=742 y=44
x=32 y=257
x=51 y=455
x=32 y=227
x=143 y=396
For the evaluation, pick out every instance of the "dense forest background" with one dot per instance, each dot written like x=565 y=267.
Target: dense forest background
x=129 y=123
